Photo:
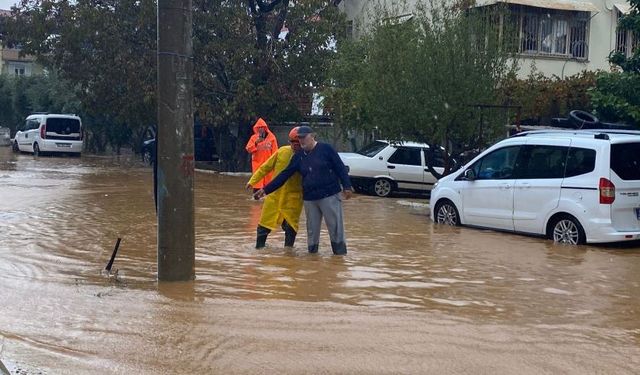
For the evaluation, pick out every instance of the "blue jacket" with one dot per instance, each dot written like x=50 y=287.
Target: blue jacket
x=322 y=172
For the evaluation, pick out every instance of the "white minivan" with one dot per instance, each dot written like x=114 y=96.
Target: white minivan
x=49 y=133
x=573 y=187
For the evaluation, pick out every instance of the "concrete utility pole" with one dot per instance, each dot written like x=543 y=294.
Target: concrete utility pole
x=176 y=233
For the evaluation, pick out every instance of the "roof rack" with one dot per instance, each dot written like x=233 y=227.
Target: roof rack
x=577 y=131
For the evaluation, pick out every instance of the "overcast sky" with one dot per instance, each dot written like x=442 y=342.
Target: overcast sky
x=6 y=4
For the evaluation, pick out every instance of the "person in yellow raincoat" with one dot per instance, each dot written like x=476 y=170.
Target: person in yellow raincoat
x=283 y=206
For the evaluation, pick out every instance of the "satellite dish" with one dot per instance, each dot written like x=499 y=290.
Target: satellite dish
x=608 y=4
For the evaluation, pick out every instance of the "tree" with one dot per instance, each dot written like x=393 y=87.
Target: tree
x=247 y=67
x=106 y=49
x=20 y=96
x=421 y=79
x=615 y=96
x=543 y=98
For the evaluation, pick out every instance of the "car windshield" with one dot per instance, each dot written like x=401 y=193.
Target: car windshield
x=372 y=149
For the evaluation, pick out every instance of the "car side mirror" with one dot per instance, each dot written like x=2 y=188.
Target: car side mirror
x=470 y=175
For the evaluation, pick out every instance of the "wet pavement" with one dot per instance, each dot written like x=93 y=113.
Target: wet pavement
x=409 y=298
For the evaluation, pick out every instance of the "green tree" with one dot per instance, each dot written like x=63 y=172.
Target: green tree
x=106 y=49
x=421 y=79
x=615 y=96
x=543 y=98
x=246 y=68
x=20 y=96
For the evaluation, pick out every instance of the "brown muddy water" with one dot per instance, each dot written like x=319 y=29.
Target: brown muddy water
x=409 y=298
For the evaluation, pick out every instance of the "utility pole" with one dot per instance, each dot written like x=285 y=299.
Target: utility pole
x=176 y=233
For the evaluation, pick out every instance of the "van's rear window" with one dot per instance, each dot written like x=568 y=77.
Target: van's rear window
x=625 y=160
x=63 y=125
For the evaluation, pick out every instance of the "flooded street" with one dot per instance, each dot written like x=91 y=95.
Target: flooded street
x=409 y=298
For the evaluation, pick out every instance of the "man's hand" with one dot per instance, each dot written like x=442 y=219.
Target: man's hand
x=259 y=194
x=249 y=187
x=347 y=193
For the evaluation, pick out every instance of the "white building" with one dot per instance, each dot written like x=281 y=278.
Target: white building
x=558 y=37
x=12 y=63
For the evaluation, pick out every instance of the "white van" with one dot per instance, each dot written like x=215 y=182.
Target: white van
x=571 y=186
x=49 y=133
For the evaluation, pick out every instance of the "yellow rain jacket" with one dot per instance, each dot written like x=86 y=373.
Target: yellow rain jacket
x=286 y=202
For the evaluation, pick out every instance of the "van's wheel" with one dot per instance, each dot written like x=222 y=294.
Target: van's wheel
x=36 y=150
x=15 y=147
x=382 y=187
x=447 y=213
x=566 y=229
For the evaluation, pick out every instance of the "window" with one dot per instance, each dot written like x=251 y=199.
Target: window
x=580 y=161
x=625 y=160
x=31 y=124
x=626 y=40
x=372 y=149
x=19 y=69
x=436 y=158
x=63 y=125
x=542 y=162
x=498 y=165
x=552 y=32
x=349 y=30
x=407 y=156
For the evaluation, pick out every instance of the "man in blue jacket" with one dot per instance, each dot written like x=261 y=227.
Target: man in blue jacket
x=324 y=182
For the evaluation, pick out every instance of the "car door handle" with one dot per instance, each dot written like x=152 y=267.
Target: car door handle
x=525 y=185
x=391 y=166
x=505 y=186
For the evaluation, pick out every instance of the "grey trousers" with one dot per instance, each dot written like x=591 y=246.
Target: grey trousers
x=331 y=209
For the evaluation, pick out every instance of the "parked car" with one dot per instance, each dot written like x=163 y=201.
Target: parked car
x=50 y=133
x=5 y=136
x=575 y=187
x=383 y=167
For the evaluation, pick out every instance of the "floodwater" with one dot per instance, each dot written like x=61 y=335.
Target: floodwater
x=409 y=298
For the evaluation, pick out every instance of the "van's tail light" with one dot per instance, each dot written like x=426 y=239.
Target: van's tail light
x=607 y=191
x=43 y=131
x=81 y=133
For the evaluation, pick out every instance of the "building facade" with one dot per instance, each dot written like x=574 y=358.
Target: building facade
x=10 y=60
x=554 y=37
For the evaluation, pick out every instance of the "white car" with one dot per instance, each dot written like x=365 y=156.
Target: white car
x=383 y=167
x=49 y=133
x=575 y=187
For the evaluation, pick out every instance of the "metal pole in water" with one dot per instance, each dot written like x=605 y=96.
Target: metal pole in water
x=113 y=256
x=176 y=233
